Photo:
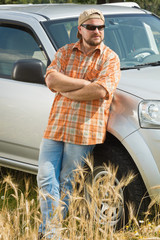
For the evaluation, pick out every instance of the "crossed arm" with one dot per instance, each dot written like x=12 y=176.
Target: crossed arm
x=73 y=88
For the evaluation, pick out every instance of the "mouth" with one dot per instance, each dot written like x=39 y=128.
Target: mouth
x=96 y=36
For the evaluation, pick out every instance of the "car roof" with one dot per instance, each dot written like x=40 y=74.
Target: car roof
x=59 y=11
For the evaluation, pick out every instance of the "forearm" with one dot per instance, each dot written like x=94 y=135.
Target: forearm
x=62 y=83
x=87 y=93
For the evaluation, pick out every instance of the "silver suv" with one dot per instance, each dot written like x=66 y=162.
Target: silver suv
x=29 y=37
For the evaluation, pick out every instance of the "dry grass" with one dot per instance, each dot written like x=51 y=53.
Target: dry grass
x=20 y=220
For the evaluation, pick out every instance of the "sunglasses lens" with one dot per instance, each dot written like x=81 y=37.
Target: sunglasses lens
x=90 y=27
x=93 y=27
x=100 y=28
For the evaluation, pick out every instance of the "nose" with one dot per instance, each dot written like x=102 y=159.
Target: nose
x=96 y=30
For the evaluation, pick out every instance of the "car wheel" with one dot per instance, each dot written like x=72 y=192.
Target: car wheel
x=107 y=196
x=134 y=193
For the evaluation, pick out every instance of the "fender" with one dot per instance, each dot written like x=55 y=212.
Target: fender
x=140 y=152
x=123 y=124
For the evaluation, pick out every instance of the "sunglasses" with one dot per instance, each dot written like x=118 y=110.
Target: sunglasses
x=91 y=27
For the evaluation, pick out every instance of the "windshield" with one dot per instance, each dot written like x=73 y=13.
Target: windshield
x=135 y=38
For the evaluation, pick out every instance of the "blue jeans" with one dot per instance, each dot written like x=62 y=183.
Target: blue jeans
x=57 y=160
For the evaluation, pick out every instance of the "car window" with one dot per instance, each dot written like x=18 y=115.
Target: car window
x=17 y=43
x=62 y=32
x=135 y=38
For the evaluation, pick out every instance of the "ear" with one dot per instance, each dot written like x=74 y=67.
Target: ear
x=79 y=29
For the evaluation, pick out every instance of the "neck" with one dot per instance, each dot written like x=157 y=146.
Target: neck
x=86 y=48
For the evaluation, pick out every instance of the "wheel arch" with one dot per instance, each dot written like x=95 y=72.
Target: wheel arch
x=110 y=141
x=138 y=154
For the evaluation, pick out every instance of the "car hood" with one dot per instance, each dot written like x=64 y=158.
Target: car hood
x=144 y=83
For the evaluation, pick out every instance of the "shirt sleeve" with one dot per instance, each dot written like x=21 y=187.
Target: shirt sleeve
x=109 y=75
x=58 y=63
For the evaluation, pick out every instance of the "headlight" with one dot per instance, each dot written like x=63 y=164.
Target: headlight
x=149 y=114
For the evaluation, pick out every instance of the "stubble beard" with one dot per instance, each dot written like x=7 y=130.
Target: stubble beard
x=92 y=42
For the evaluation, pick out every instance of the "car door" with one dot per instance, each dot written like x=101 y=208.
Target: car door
x=24 y=106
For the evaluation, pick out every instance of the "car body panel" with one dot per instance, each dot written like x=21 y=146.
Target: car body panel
x=123 y=119
x=144 y=82
x=21 y=103
x=57 y=11
x=139 y=150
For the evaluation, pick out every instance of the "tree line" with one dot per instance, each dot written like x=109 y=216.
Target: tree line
x=151 y=5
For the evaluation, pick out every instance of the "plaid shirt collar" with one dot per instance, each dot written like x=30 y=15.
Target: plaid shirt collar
x=77 y=45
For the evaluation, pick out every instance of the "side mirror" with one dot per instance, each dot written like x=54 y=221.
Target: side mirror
x=28 y=70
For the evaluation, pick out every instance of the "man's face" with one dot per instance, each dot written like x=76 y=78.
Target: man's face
x=92 y=37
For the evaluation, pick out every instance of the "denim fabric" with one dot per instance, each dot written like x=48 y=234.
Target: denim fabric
x=57 y=161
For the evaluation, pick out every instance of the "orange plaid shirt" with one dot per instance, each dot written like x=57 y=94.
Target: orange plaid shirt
x=83 y=122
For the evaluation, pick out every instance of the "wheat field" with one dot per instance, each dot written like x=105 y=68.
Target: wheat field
x=20 y=213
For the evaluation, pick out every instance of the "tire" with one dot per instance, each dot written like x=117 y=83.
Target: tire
x=134 y=193
x=108 y=198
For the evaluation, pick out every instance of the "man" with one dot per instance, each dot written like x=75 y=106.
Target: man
x=84 y=76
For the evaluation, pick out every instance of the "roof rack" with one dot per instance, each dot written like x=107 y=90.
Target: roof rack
x=124 y=4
